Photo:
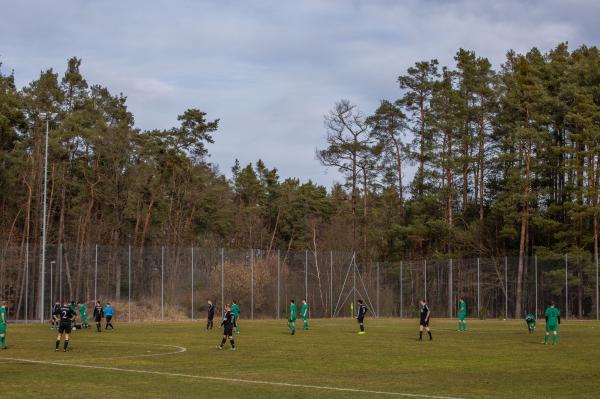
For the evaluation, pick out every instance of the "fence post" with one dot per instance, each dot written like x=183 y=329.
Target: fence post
x=192 y=282
x=162 y=283
x=96 y=275
x=566 y=287
x=252 y=284
x=60 y=294
x=535 y=269
x=222 y=280
x=425 y=277
x=51 y=288
x=478 y=291
x=378 y=314
x=129 y=284
x=278 y=281
x=506 y=287
x=354 y=279
x=306 y=275
x=331 y=283
x=450 y=289
x=27 y=282
x=597 y=291
x=401 y=293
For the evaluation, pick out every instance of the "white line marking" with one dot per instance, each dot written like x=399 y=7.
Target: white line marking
x=236 y=380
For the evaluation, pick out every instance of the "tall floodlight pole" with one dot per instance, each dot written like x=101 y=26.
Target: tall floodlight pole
x=43 y=260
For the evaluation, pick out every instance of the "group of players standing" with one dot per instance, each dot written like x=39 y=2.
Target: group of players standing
x=64 y=316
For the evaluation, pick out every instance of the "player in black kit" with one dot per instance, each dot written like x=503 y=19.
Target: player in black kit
x=98 y=315
x=360 y=316
x=424 y=322
x=55 y=314
x=66 y=317
x=227 y=323
x=211 y=315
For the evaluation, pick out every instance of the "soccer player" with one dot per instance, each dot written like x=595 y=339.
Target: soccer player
x=530 y=320
x=235 y=309
x=462 y=314
x=304 y=314
x=55 y=314
x=83 y=313
x=108 y=313
x=98 y=315
x=292 y=316
x=552 y=322
x=67 y=315
x=227 y=324
x=211 y=315
x=424 y=322
x=360 y=316
x=3 y=322
x=73 y=307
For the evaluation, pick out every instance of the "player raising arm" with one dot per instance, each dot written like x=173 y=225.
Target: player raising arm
x=67 y=316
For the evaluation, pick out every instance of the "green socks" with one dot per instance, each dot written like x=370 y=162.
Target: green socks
x=305 y=325
x=3 y=340
x=546 y=339
x=462 y=326
x=555 y=339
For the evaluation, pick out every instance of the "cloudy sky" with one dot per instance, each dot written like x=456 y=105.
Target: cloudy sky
x=270 y=70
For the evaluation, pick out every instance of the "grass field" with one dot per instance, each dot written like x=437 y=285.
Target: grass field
x=494 y=359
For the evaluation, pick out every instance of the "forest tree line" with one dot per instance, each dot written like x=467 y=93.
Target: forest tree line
x=507 y=162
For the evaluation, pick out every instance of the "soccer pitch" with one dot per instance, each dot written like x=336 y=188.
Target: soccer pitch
x=494 y=359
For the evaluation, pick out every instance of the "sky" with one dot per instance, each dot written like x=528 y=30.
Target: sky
x=270 y=70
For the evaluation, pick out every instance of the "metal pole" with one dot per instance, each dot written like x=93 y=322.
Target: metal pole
x=331 y=283
x=306 y=274
x=425 y=277
x=60 y=252
x=506 y=287
x=278 y=280
x=377 y=289
x=354 y=276
x=252 y=284
x=450 y=289
x=478 y=291
x=222 y=280
x=192 y=283
x=27 y=282
x=96 y=275
x=162 y=283
x=401 y=293
x=535 y=269
x=566 y=287
x=129 y=284
x=43 y=260
x=597 y=292
x=51 y=290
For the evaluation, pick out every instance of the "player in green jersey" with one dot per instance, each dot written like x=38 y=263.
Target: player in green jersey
x=292 y=316
x=462 y=314
x=83 y=314
x=3 y=321
x=530 y=320
x=552 y=321
x=235 y=309
x=304 y=314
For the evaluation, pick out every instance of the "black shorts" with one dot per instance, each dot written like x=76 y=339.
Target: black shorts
x=360 y=319
x=98 y=319
x=424 y=323
x=108 y=319
x=228 y=330
x=65 y=328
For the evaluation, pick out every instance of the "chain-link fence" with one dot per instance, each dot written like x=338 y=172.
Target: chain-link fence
x=165 y=283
